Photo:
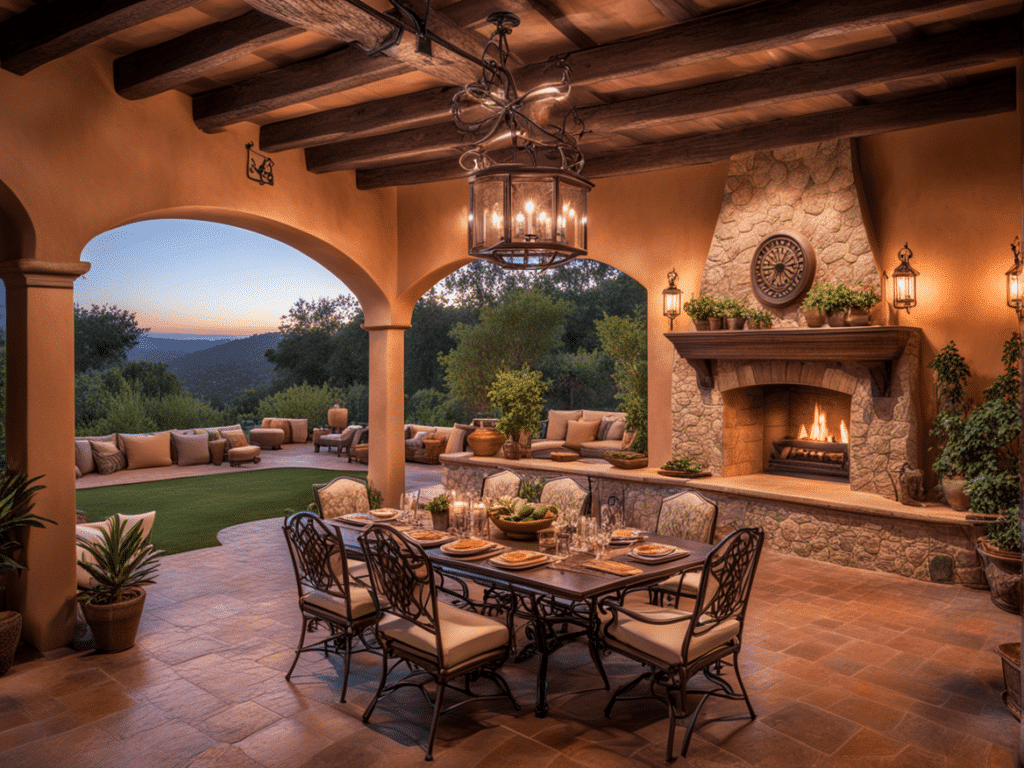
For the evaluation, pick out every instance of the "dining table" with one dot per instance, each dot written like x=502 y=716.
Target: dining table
x=557 y=598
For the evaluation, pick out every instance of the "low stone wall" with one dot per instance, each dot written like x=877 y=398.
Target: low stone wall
x=813 y=519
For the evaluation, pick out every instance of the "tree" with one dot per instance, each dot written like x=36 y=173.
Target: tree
x=103 y=336
x=522 y=329
x=625 y=341
x=151 y=379
x=310 y=350
x=428 y=336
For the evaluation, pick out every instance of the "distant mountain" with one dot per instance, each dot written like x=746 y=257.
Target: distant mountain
x=220 y=371
x=154 y=349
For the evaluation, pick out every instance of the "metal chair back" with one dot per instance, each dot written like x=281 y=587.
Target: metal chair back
x=318 y=557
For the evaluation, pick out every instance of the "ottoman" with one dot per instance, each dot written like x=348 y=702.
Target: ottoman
x=239 y=456
x=267 y=437
x=360 y=453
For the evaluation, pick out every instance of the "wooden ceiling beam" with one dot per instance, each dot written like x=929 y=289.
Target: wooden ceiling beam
x=162 y=67
x=678 y=10
x=47 y=31
x=990 y=95
x=367 y=119
x=337 y=71
x=984 y=43
x=558 y=19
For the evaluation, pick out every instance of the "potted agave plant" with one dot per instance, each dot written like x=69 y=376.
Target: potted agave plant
x=16 y=492
x=125 y=561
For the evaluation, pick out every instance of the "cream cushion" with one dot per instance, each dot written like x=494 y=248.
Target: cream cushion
x=299 y=429
x=457 y=438
x=83 y=457
x=691 y=583
x=93 y=532
x=464 y=634
x=361 y=600
x=557 y=422
x=147 y=450
x=191 y=449
x=579 y=432
x=664 y=642
x=615 y=430
x=235 y=437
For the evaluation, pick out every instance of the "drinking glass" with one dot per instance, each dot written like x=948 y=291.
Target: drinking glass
x=546 y=539
x=410 y=507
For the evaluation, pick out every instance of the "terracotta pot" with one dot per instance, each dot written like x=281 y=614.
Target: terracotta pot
x=1003 y=571
x=10 y=634
x=114 y=626
x=440 y=522
x=513 y=450
x=715 y=323
x=815 y=318
x=701 y=325
x=735 y=323
x=485 y=441
x=953 y=490
x=837 y=319
x=858 y=317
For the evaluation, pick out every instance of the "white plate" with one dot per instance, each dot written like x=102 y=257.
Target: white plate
x=357 y=518
x=533 y=562
x=452 y=549
x=444 y=538
x=636 y=536
x=383 y=514
x=671 y=553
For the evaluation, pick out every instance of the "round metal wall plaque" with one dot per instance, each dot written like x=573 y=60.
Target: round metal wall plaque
x=782 y=269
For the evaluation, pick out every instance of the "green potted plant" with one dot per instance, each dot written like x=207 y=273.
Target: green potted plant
x=859 y=304
x=758 y=319
x=687 y=466
x=438 y=509
x=16 y=492
x=837 y=301
x=626 y=459
x=951 y=377
x=814 y=304
x=519 y=396
x=125 y=561
x=733 y=313
x=700 y=311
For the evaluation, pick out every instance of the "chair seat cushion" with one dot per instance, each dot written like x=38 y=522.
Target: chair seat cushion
x=362 y=602
x=664 y=642
x=690 y=579
x=464 y=634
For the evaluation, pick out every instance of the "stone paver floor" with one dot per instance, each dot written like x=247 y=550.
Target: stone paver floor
x=846 y=669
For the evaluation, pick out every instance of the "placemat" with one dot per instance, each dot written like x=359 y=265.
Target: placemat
x=611 y=566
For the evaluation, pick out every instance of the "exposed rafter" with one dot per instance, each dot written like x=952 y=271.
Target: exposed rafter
x=157 y=69
x=47 y=31
x=990 y=95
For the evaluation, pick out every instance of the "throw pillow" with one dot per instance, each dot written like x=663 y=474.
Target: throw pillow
x=78 y=472
x=299 y=429
x=107 y=457
x=147 y=450
x=557 y=423
x=579 y=432
x=457 y=438
x=616 y=430
x=191 y=449
x=606 y=423
x=83 y=453
x=235 y=438
x=627 y=439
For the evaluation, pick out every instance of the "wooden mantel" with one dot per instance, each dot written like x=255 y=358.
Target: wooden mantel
x=875 y=347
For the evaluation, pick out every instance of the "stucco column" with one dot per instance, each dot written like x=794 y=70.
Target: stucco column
x=40 y=438
x=387 y=410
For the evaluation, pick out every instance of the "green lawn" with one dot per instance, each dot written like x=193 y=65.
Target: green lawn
x=191 y=510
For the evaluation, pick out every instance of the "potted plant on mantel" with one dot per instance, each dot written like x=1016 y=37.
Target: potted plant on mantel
x=815 y=302
x=16 y=492
x=700 y=311
x=125 y=561
x=519 y=397
x=733 y=313
x=859 y=304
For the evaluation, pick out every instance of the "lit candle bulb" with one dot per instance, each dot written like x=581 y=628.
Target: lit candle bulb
x=520 y=219
x=496 y=222
x=529 y=216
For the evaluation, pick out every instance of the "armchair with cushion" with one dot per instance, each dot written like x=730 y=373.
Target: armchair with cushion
x=685 y=515
x=341 y=496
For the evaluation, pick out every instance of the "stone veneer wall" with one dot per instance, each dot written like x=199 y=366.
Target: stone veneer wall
x=808 y=189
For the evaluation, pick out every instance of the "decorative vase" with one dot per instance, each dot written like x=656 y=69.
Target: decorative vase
x=513 y=450
x=1003 y=572
x=714 y=323
x=837 y=319
x=953 y=490
x=114 y=626
x=701 y=325
x=10 y=634
x=485 y=441
x=440 y=522
x=735 y=323
x=815 y=318
x=858 y=317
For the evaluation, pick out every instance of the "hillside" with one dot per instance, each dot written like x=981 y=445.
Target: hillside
x=153 y=349
x=219 y=372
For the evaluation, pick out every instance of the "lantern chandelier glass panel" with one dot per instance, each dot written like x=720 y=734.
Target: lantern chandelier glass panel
x=527 y=201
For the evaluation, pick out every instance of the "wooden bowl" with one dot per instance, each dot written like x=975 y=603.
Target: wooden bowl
x=522 y=531
x=638 y=463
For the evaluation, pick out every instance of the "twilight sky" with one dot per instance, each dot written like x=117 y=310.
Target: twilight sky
x=199 y=279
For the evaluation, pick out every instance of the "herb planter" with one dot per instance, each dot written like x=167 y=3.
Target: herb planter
x=440 y=522
x=701 y=325
x=735 y=323
x=837 y=319
x=114 y=626
x=714 y=323
x=1003 y=572
x=858 y=317
x=814 y=318
x=10 y=634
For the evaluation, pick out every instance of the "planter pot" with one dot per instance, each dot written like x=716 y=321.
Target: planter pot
x=513 y=450
x=837 y=319
x=440 y=522
x=637 y=463
x=10 y=634
x=858 y=317
x=1003 y=571
x=953 y=490
x=114 y=626
x=485 y=441
x=1010 y=654
x=701 y=325
x=735 y=323
x=814 y=318
x=714 y=323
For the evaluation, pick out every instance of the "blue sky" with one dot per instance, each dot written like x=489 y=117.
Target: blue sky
x=199 y=279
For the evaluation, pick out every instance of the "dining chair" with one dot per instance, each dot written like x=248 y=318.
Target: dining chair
x=341 y=496
x=504 y=483
x=438 y=640
x=674 y=645
x=685 y=515
x=329 y=591
x=568 y=497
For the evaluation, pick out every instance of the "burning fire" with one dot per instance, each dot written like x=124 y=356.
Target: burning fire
x=819 y=430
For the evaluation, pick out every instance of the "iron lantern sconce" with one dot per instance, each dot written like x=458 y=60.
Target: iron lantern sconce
x=671 y=300
x=904 y=281
x=1014 y=281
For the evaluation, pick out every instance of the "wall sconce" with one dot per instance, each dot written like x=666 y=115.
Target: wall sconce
x=1014 y=284
x=671 y=300
x=904 y=281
